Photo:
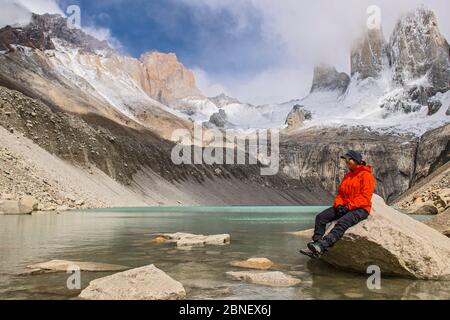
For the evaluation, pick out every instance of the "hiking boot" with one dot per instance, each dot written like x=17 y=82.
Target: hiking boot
x=316 y=248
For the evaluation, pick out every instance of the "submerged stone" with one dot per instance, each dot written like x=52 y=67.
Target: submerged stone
x=272 y=278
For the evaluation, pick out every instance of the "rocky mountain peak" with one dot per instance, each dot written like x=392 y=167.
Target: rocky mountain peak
x=417 y=48
x=327 y=78
x=297 y=117
x=223 y=100
x=38 y=34
x=166 y=78
x=368 y=54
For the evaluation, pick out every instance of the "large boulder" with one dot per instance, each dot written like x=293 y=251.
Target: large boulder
x=145 y=283
x=396 y=243
x=24 y=206
x=28 y=204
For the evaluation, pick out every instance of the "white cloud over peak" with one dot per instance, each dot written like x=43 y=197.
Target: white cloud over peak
x=308 y=32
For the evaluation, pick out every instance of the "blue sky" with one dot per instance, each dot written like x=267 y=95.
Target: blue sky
x=259 y=51
x=199 y=38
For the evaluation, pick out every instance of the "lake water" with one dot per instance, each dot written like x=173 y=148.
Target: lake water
x=121 y=237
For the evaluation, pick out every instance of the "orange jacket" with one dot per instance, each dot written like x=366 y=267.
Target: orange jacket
x=356 y=190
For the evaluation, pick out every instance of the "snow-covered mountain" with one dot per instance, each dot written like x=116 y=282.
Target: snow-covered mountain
x=76 y=72
x=400 y=85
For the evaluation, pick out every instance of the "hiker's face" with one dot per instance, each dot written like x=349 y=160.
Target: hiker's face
x=351 y=165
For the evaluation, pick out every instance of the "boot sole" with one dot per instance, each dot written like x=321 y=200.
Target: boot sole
x=308 y=254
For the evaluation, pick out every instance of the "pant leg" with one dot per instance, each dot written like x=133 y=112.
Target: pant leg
x=343 y=224
x=322 y=220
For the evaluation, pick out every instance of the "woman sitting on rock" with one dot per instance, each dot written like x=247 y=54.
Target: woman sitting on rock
x=353 y=204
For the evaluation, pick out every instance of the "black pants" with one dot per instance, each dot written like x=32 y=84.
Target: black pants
x=344 y=222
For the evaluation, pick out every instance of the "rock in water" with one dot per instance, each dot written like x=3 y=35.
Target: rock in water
x=273 y=278
x=194 y=240
x=253 y=263
x=145 y=283
x=63 y=265
x=395 y=242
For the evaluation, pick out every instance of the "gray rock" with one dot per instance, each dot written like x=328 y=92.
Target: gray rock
x=434 y=106
x=37 y=35
x=427 y=209
x=272 y=278
x=417 y=48
x=432 y=153
x=396 y=243
x=368 y=55
x=219 y=119
x=146 y=283
x=297 y=117
x=399 y=161
x=327 y=78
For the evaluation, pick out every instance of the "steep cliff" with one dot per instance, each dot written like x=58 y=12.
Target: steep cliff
x=399 y=161
x=167 y=80
x=417 y=48
x=326 y=78
x=368 y=55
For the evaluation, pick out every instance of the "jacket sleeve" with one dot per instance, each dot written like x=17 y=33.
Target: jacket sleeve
x=339 y=201
x=364 y=198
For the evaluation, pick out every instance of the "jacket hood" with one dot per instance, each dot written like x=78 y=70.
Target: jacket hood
x=363 y=168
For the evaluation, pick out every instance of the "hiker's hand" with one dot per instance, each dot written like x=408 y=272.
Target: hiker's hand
x=342 y=210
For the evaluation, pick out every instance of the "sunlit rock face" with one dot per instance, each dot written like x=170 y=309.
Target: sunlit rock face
x=166 y=79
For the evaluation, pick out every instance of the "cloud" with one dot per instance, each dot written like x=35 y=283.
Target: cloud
x=207 y=85
x=296 y=34
x=103 y=34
